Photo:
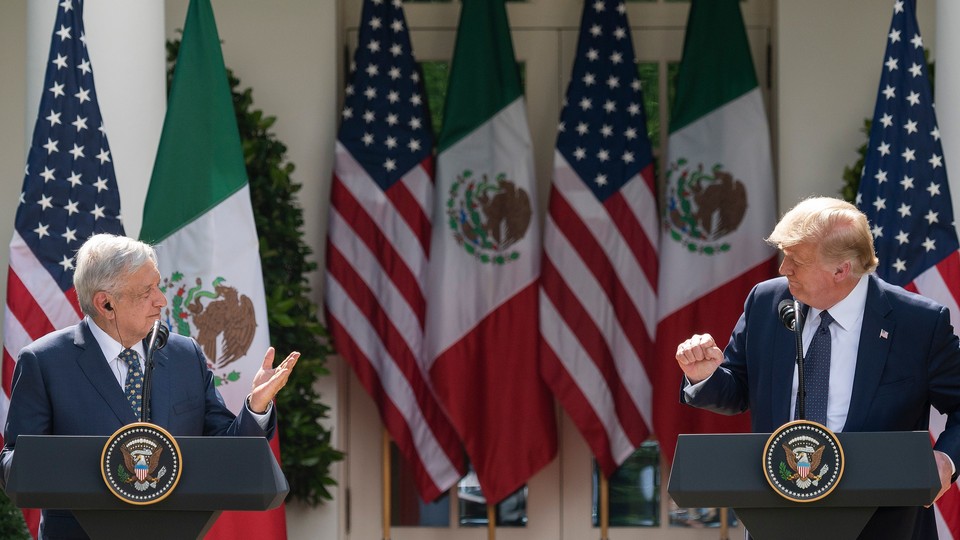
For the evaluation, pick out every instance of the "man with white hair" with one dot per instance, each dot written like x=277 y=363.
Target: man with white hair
x=85 y=379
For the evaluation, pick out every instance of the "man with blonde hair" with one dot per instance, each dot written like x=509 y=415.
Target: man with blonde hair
x=890 y=354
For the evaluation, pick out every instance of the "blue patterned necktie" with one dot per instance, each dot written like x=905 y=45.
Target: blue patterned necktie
x=133 y=388
x=816 y=372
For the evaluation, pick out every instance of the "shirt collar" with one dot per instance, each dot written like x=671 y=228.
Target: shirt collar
x=110 y=347
x=848 y=311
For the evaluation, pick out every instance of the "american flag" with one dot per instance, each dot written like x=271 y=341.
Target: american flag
x=905 y=194
x=378 y=244
x=69 y=193
x=599 y=275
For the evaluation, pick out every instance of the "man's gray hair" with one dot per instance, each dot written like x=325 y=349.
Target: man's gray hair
x=103 y=261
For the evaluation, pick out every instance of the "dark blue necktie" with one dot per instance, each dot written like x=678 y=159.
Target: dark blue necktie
x=133 y=388
x=816 y=373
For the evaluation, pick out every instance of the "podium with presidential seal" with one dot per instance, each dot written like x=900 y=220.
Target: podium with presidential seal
x=141 y=482
x=147 y=484
x=803 y=481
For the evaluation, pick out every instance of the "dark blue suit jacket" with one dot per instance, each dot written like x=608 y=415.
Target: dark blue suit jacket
x=63 y=385
x=899 y=375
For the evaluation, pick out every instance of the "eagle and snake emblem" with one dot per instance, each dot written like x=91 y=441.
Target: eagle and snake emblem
x=703 y=206
x=488 y=217
x=222 y=320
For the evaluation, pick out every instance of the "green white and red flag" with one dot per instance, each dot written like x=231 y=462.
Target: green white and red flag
x=482 y=315
x=718 y=205
x=199 y=216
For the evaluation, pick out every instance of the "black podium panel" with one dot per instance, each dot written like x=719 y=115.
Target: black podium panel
x=219 y=473
x=881 y=469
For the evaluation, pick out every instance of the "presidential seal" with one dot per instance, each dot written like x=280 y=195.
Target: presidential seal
x=141 y=463
x=803 y=461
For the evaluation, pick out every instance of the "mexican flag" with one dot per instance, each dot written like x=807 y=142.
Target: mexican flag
x=482 y=326
x=198 y=214
x=717 y=206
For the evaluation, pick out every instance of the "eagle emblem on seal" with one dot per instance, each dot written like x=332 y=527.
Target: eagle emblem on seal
x=804 y=462
x=141 y=460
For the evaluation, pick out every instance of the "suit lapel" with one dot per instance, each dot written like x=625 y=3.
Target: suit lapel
x=786 y=354
x=97 y=371
x=160 y=388
x=875 y=336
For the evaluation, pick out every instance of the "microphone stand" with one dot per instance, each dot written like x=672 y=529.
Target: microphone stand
x=152 y=346
x=801 y=386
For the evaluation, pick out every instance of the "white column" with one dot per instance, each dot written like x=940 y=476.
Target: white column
x=947 y=92
x=126 y=44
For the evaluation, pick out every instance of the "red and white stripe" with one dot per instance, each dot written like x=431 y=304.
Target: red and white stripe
x=598 y=309
x=35 y=307
x=375 y=303
x=942 y=284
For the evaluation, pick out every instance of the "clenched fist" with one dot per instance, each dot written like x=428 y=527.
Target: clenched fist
x=699 y=357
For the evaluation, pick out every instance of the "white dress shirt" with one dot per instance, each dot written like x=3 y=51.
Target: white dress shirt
x=112 y=348
x=844 y=345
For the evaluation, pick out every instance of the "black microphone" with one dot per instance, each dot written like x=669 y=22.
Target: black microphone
x=787 y=313
x=159 y=335
x=158 y=338
x=790 y=316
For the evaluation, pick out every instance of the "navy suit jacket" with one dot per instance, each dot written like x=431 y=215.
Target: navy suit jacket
x=908 y=360
x=63 y=385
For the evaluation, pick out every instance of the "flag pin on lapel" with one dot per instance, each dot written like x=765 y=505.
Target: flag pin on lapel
x=884 y=334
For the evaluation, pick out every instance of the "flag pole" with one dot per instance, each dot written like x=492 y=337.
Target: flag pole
x=491 y=521
x=604 y=506
x=386 y=483
x=724 y=526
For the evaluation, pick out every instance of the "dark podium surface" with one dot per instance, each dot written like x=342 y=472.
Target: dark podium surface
x=219 y=473
x=881 y=469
